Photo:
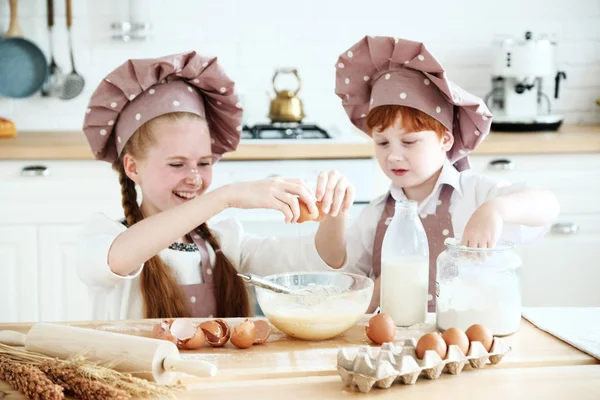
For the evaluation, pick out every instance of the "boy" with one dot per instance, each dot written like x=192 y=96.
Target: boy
x=423 y=127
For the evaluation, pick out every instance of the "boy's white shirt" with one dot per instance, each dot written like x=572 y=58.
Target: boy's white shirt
x=116 y=297
x=471 y=190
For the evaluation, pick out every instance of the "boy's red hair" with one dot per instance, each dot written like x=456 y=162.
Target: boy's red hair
x=413 y=120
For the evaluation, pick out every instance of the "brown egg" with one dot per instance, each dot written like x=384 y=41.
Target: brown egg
x=381 y=328
x=243 y=335
x=455 y=336
x=305 y=214
x=431 y=341
x=263 y=331
x=480 y=333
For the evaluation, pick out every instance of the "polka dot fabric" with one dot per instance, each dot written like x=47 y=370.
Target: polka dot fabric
x=142 y=89
x=386 y=71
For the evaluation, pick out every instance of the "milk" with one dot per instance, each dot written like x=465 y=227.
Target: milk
x=404 y=290
x=405 y=266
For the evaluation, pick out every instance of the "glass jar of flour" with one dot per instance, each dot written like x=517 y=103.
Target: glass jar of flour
x=479 y=286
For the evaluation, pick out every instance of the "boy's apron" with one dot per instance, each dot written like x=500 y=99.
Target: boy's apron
x=437 y=226
x=201 y=296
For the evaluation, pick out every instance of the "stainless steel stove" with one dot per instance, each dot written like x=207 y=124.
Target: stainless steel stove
x=284 y=130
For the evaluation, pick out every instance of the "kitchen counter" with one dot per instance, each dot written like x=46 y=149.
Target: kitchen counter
x=73 y=146
x=538 y=366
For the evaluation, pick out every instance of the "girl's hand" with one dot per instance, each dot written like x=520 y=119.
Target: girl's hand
x=484 y=227
x=334 y=193
x=274 y=193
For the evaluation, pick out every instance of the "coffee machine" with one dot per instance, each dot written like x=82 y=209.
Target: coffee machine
x=517 y=100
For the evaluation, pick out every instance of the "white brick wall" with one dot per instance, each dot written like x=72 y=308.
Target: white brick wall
x=253 y=37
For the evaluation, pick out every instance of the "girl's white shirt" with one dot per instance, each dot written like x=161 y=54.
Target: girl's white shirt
x=116 y=297
x=471 y=190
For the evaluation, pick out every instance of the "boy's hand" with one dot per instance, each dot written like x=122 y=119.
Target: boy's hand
x=484 y=227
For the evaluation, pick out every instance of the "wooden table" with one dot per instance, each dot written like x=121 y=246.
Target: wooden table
x=573 y=382
x=538 y=366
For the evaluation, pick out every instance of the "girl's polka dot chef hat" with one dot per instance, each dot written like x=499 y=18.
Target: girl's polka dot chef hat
x=142 y=89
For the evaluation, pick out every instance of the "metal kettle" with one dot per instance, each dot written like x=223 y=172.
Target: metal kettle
x=286 y=107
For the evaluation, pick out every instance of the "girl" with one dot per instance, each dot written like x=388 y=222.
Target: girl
x=423 y=127
x=162 y=123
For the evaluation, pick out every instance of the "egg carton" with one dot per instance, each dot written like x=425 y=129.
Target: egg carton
x=366 y=367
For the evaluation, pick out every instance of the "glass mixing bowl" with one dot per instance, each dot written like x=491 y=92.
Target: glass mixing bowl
x=321 y=306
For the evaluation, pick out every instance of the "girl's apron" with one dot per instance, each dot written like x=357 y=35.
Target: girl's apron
x=202 y=295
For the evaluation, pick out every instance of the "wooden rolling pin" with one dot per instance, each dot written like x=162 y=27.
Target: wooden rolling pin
x=147 y=358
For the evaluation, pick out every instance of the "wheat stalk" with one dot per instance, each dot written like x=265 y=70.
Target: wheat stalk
x=92 y=372
x=81 y=387
x=29 y=380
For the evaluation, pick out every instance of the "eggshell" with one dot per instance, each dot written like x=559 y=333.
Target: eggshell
x=263 y=331
x=381 y=328
x=187 y=334
x=431 y=341
x=480 y=333
x=305 y=214
x=243 y=335
x=455 y=336
x=182 y=328
x=213 y=332
x=226 y=333
x=197 y=341
x=159 y=328
x=162 y=331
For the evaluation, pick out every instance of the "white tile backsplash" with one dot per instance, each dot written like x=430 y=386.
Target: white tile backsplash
x=253 y=38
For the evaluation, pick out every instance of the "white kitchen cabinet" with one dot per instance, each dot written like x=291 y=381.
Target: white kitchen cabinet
x=19 y=286
x=563 y=268
x=63 y=297
x=57 y=192
x=573 y=178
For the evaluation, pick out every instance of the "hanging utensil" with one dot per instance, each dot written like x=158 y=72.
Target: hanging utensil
x=23 y=66
x=74 y=83
x=53 y=80
x=263 y=283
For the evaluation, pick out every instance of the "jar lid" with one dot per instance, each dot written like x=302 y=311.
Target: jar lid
x=501 y=245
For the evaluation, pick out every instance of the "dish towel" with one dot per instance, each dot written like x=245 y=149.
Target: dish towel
x=578 y=326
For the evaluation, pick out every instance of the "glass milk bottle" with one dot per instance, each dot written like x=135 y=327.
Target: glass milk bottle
x=405 y=266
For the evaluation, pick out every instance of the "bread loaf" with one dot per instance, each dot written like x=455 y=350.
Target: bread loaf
x=7 y=128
